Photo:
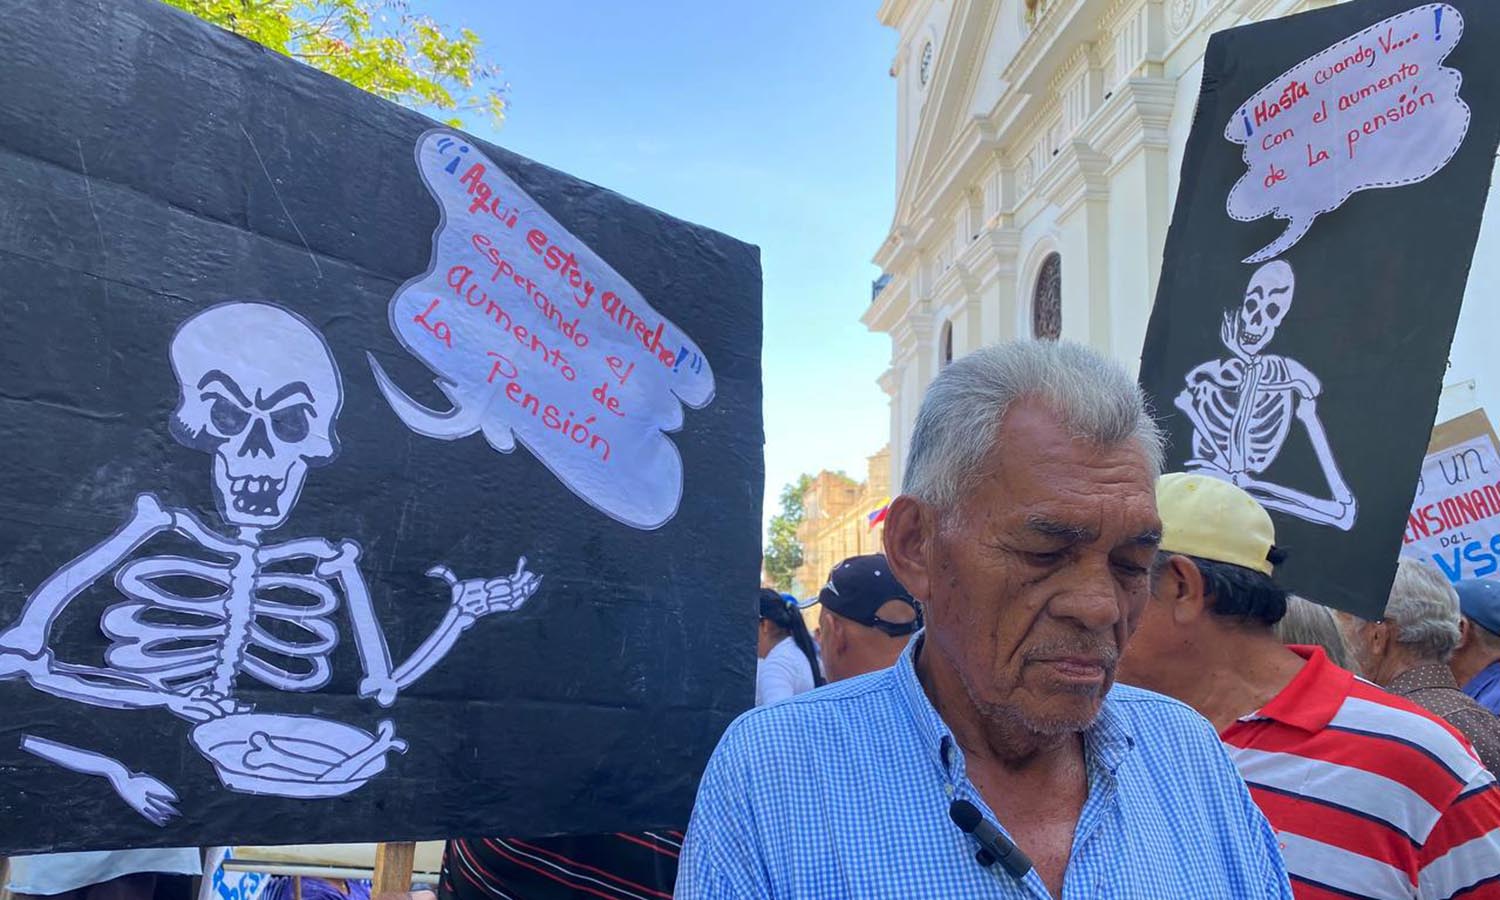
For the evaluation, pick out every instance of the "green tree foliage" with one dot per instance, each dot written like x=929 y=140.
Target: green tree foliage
x=783 y=550
x=377 y=45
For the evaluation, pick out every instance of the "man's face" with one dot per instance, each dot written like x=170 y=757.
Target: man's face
x=1036 y=581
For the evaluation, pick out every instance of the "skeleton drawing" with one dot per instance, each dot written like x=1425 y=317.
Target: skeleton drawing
x=1242 y=408
x=260 y=392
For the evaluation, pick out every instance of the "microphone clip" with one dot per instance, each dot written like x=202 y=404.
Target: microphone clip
x=994 y=846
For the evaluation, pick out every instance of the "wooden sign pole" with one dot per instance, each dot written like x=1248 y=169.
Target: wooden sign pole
x=393 y=868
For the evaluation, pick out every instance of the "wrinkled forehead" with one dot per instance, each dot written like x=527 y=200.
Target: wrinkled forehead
x=1066 y=487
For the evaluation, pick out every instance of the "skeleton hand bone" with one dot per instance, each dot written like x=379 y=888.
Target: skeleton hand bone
x=1229 y=334
x=475 y=597
x=202 y=705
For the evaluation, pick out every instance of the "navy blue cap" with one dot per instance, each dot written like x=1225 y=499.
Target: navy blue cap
x=860 y=585
x=1479 y=599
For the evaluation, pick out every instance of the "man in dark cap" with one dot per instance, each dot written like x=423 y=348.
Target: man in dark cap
x=867 y=617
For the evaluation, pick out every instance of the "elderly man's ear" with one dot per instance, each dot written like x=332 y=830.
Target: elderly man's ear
x=910 y=528
x=1179 y=583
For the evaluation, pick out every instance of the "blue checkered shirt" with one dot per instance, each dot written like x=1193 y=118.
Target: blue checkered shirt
x=843 y=792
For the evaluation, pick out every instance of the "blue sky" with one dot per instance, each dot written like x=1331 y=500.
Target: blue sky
x=771 y=121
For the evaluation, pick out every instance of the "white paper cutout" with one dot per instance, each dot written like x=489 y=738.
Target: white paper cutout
x=533 y=337
x=1242 y=408
x=1375 y=110
x=144 y=794
x=260 y=392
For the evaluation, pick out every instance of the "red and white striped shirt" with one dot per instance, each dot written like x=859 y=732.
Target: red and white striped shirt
x=1369 y=795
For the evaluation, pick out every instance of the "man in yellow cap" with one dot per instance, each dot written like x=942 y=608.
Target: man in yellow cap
x=1370 y=795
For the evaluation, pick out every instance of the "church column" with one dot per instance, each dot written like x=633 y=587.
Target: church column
x=1081 y=193
x=1139 y=178
x=890 y=382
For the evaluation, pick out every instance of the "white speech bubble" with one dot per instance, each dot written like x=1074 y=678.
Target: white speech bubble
x=533 y=337
x=1375 y=110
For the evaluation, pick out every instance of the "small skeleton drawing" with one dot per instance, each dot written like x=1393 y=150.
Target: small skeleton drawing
x=260 y=392
x=1242 y=408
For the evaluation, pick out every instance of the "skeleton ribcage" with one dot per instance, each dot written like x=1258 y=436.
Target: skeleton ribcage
x=1269 y=421
x=186 y=618
x=1248 y=414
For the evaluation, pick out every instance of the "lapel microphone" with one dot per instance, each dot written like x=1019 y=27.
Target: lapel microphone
x=993 y=846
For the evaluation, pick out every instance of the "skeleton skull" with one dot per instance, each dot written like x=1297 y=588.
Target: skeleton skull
x=1267 y=299
x=260 y=391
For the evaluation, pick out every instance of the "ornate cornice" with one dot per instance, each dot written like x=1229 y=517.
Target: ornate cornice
x=1038 y=42
x=890 y=305
x=891 y=12
x=1136 y=115
x=1077 y=174
x=1119 y=12
x=1077 y=62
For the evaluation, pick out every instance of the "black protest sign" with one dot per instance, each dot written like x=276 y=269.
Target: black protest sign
x=363 y=481
x=1330 y=201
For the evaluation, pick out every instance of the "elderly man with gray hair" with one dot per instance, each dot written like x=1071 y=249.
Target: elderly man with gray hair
x=1026 y=528
x=1407 y=653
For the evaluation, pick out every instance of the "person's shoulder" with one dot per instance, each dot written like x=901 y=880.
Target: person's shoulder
x=1162 y=723
x=1382 y=712
x=1372 y=712
x=1177 y=756
x=784 y=656
x=1141 y=704
x=792 y=723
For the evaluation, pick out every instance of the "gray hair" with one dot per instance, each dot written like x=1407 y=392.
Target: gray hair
x=1424 y=607
x=960 y=417
x=1306 y=622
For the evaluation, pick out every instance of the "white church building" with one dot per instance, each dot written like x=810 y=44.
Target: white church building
x=1039 y=144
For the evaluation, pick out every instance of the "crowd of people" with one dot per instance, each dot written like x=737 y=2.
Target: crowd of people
x=1073 y=675
x=1256 y=744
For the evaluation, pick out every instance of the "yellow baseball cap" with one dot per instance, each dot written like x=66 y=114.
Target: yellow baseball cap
x=1212 y=519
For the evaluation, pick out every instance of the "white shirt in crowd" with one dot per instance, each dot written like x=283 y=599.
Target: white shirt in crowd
x=783 y=673
x=56 y=873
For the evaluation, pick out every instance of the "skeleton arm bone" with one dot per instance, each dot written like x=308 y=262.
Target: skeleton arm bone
x=85 y=762
x=1300 y=379
x=28 y=636
x=1341 y=509
x=1207 y=453
x=1309 y=389
x=1201 y=381
x=455 y=622
x=471 y=599
x=369 y=640
x=145 y=794
x=1307 y=412
x=1300 y=504
x=24 y=650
